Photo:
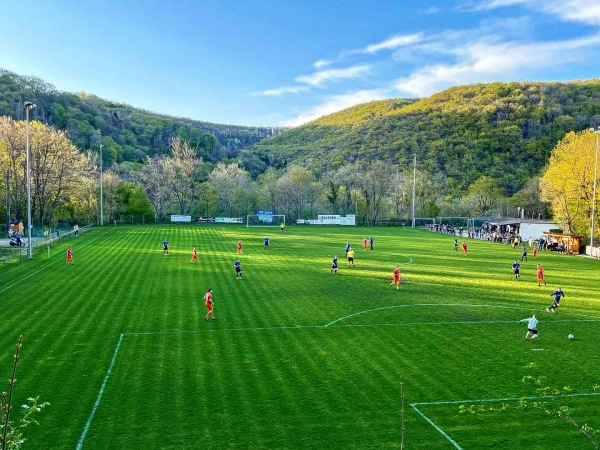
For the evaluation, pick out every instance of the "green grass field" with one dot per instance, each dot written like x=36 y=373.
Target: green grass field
x=297 y=358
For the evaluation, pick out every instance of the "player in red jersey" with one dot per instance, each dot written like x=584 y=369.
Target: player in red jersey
x=365 y=243
x=464 y=247
x=194 y=256
x=69 y=255
x=208 y=301
x=239 y=247
x=540 y=275
x=396 y=279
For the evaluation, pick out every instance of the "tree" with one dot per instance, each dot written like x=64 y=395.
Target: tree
x=132 y=201
x=154 y=177
x=375 y=186
x=110 y=184
x=298 y=189
x=333 y=196
x=231 y=184
x=529 y=198
x=84 y=200
x=483 y=196
x=182 y=173
x=270 y=189
x=568 y=182
x=56 y=167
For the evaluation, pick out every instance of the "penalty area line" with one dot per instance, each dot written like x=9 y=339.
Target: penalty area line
x=452 y=305
x=415 y=406
x=419 y=304
x=434 y=425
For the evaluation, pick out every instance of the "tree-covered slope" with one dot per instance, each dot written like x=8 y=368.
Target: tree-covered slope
x=503 y=130
x=131 y=132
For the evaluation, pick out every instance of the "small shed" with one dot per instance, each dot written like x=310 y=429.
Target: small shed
x=567 y=243
x=17 y=226
x=532 y=228
x=526 y=228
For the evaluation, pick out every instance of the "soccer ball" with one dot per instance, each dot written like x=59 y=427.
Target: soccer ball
x=571 y=336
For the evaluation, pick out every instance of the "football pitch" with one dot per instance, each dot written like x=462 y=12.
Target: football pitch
x=297 y=358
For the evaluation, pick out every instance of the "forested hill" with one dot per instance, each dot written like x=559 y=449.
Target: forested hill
x=128 y=133
x=504 y=130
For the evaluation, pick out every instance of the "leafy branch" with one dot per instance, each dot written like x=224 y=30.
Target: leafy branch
x=12 y=436
x=545 y=401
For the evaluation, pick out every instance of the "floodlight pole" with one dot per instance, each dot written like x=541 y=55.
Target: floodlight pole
x=28 y=106
x=101 y=196
x=596 y=132
x=414 y=189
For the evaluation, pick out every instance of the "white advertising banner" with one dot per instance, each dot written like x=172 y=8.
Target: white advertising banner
x=229 y=220
x=350 y=219
x=328 y=219
x=178 y=218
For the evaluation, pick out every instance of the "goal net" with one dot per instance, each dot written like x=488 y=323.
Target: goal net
x=267 y=220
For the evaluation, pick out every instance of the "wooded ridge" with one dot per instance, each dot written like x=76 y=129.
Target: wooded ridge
x=502 y=130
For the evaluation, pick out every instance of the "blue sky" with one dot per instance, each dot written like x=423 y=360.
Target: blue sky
x=287 y=62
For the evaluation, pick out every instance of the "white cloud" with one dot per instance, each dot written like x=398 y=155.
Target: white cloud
x=336 y=103
x=432 y=10
x=582 y=11
x=322 y=63
x=284 y=90
x=484 y=61
x=393 y=43
x=493 y=4
x=317 y=79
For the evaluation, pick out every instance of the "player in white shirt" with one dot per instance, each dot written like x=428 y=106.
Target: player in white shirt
x=532 y=331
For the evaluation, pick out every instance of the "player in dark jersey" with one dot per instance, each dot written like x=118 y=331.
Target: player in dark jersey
x=238 y=269
x=334 y=265
x=558 y=293
x=517 y=270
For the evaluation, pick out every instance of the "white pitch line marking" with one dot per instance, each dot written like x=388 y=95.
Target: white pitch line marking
x=99 y=397
x=44 y=267
x=434 y=425
x=437 y=304
x=485 y=400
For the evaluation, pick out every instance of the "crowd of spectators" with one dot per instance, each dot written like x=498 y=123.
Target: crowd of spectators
x=456 y=231
x=501 y=234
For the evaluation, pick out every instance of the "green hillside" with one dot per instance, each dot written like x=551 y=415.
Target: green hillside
x=503 y=130
x=134 y=133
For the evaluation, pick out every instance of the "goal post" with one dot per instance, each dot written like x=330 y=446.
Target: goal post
x=265 y=220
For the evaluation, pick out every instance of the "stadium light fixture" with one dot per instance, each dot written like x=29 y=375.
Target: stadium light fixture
x=597 y=133
x=28 y=106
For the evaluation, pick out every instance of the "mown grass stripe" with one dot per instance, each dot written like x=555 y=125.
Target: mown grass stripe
x=99 y=397
x=348 y=395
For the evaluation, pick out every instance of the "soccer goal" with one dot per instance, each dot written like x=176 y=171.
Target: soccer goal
x=266 y=220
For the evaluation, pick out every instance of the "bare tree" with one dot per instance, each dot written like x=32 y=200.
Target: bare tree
x=182 y=173
x=375 y=186
x=299 y=189
x=231 y=184
x=154 y=178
